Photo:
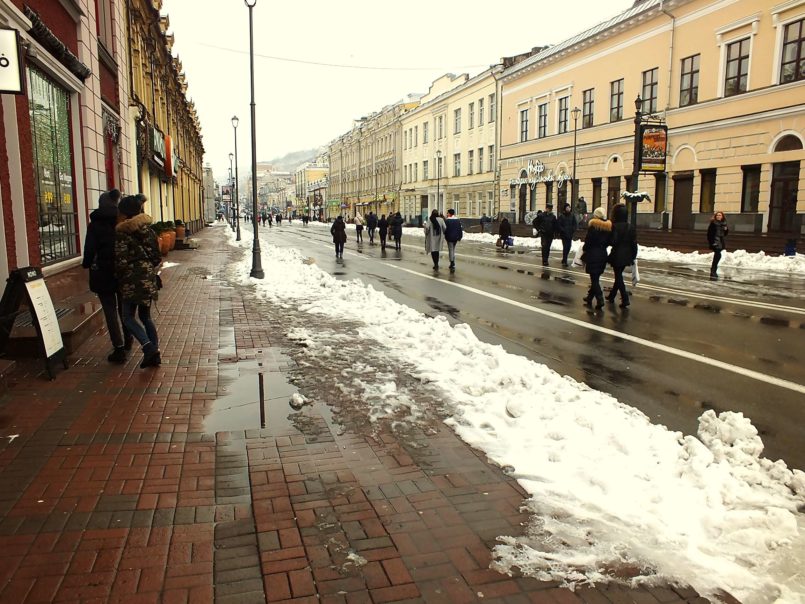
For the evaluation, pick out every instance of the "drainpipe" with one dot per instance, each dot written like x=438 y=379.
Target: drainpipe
x=668 y=96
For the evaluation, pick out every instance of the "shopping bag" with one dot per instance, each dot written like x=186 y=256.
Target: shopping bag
x=578 y=259
x=633 y=272
x=534 y=232
x=510 y=241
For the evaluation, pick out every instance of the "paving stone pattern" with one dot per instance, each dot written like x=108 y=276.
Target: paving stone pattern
x=114 y=492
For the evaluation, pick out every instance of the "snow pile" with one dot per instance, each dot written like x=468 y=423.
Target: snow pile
x=608 y=489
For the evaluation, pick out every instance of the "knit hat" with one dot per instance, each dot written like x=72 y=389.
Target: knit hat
x=599 y=213
x=109 y=199
x=129 y=206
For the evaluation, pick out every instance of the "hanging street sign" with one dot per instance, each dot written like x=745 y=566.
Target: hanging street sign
x=11 y=80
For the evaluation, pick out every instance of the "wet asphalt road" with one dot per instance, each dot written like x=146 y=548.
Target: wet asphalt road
x=749 y=320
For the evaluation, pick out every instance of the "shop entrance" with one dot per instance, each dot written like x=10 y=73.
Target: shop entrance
x=783 y=205
x=683 y=202
x=613 y=192
x=521 y=206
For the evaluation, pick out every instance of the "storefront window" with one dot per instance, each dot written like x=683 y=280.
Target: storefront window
x=750 y=195
x=53 y=167
x=708 y=192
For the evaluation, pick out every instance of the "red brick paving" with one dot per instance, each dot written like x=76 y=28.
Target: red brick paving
x=114 y=493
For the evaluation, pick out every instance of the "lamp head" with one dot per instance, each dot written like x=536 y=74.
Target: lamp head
x=235 y=121
x=638 y=103
x=250 y=3
x=575 y=113
x=438 y=153
x=231 y=156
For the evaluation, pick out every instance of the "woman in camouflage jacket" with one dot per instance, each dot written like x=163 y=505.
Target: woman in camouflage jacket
x=136 y=259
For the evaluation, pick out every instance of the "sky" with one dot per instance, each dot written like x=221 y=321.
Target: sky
x=392 y=50
x=607 y=488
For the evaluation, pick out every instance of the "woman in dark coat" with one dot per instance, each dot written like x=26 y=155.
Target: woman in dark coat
x=396 y=230
x=339 y=233
x=599 y=235
x=383 y=229
x=136 y=260
x=623 y=252
x=504 y=232
x=99 y=258
x=716 y=233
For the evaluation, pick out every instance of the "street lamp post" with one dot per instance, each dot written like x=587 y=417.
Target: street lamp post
x=231 y=193
x=257 y=265
x=638 y=118
x=438 y=180
x=237 y=194
x=575 y=113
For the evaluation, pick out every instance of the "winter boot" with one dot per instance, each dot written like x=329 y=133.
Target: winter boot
x=128 y=341
x=118 y=357
x=151 y=356
x=599 y=302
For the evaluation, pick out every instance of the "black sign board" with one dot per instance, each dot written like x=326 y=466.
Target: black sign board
x=29 y=284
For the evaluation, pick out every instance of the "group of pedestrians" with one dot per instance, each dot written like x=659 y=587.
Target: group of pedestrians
x=385 y=227
x=439 y=229
x=122 y=255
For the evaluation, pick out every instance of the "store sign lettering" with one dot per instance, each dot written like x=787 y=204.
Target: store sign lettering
x=11 y=80
x=158 y=146
x=537 y=173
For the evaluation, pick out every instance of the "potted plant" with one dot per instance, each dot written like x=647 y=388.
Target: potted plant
x=170 y=231
x=180 y=230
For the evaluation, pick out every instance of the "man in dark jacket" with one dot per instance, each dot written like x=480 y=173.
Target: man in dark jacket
x=396 y=225
x=566 y=225
x=371 y=225
x=545 y=224
x=99 y=258
x=623 y=252
x=453 y=233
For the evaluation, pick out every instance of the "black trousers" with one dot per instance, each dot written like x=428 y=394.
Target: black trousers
x=112 y=306
x=382 y=240
x=566 y=242
x=595 y=287
x=546 y=242
x=435 y=256
x=716 y=260
x=339 y=249
x=620 y=284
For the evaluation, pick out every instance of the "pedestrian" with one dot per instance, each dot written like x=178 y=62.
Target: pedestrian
x=434 y=235
x=359 y=227
x=545 y=224
x=371 y=225
x=566 y=225
x=453 y=233
x=339 y=233
x=99 y=258
x=623 y=252
x=136 y=260
x=270 y=219
x=716 y=233
x=599 y=235
x=382 y=229
x=279 y=219
x=504 y=233
x=396 y=230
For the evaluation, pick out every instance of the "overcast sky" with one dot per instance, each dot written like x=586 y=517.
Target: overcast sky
x=392 y=49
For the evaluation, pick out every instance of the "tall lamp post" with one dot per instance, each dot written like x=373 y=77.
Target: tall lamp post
x=257 y=265
x=438 y=180
x=237 y=194
x=574 y=194
x=638 y=118
x=231 y=193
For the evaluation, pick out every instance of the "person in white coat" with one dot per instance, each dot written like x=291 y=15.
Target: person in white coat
x=359 y=227
x=434 y=236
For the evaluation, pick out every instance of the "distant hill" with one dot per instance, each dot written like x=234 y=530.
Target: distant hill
x=290 y=161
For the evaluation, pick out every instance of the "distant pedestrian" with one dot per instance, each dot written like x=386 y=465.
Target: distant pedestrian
x=566 y=225
x=99 y=258
x=434 y=236
x=504 y=234
x=339 y=233
x=581 y=210
x=453 y=233
x=599 y=235
x=359 y=227
x=545 y=224
x=279 y=219
x=270 y=219
x=396 y=230
x=716 y=235
x=371 y=225
x=382 y=229
x=623 y=252
x=136 y=260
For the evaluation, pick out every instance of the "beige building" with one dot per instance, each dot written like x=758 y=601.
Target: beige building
x=449 y=147
x=306 y=200
x=727 y=77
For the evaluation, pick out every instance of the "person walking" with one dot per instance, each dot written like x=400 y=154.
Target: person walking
x=566 y=225
x=136 y=260
x=545 y=224
x=453 y=233
x=371 y=225
x=599 y=234
x=339 y=233
x=504 y=233
x=623 y=252
x=396 y=230
x=716 y=234
x=99 y=258
x=434 y=235
x=382 y=229
x=359 y=227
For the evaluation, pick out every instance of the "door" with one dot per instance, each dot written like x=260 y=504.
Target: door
x=423 y=209
x=521 y=207
x=783 y=205
x=683 y=202
x=613 y=192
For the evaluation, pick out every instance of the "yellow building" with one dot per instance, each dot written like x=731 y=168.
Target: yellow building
x=309 y=184
x=727 y=77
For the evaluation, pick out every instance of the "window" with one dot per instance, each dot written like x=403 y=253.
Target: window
x=440 y=123
x=659 y=193
x=416 y=135
x=649 y=94
x=616 y=100
x=492 y=108
x=707 y=197
x=457 y=164
x=750 y=193
x=792 y=67
x=480 y=159
x=439 y=166
x=588 y=108
x=457 y=121
x=53 y=167
x=563 y=103
x=472 y=116
x=523 y=125
x=737 y=73
x=425 y=175
x=104 y=25
x=405 y=173
x=491 y=158
x=542 y=120
x=689 y=84
x=416 y=171
x=480 y=112
x=470 y=160
x=490 y=202
x=425 y=133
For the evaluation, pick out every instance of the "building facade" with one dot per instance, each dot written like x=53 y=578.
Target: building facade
x=449 y=156
x=726 y=77
x=307 y=179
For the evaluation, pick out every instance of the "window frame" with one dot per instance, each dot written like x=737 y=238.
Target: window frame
x=693 y=85
x=471 y=116
x=492 y=108
x=651 y=84
x=470 y=162
x=707 y=190
x=542 y=120
x=480 y=112
x=752 y=194
x=480 y=160
x=742 y=60
x=425 y=132
x=616 y=95
x=524 y=125
x=457 y=121
x=588 y=108
x=562 y=114
x=457 y=164
x=491 y=158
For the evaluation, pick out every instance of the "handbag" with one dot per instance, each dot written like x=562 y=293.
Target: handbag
x=578 y=259
x=510 y=241
x=534 y=232
x=499 y=242
x=635 y=273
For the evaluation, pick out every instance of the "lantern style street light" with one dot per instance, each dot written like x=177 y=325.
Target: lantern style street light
x=638 y=118
x=575 y=113
x=231 y=193
x=237 y=195
x=257 y=265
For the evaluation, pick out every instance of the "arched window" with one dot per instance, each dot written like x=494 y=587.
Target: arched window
x=788 y=143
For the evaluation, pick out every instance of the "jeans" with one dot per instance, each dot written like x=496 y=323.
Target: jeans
x=451 y=252
x=716 y=260
x=359 y=231
x=113 y=312
x=339 y=249
x=145 y=333
x=371 y=235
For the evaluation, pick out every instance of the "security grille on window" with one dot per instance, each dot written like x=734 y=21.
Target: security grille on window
x=523 y=125
x=792 y=67
x=542 y=120
x=737 y=72
x=457 y=164
x=563 y=104
x=457 y=121
x=588 y=108
x=650 y=86
x=616 y=100
x=689 y=84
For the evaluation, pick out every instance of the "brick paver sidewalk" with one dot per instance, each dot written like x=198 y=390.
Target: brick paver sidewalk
x=115 y=491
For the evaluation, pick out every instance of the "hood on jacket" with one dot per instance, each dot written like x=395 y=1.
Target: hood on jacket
x=600 y=225
x=135 y=223
x=107 y=212
x=620 y=213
